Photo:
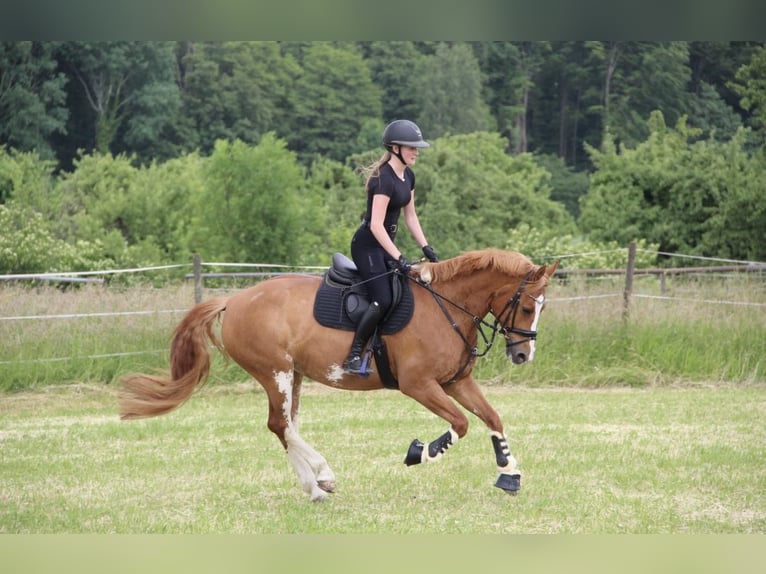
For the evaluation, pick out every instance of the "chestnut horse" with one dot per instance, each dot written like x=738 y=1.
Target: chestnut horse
x=270 y=331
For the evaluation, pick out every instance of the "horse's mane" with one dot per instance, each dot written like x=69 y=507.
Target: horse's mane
x=507 y=262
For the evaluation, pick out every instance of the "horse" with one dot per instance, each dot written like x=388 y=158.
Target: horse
x=270 y=331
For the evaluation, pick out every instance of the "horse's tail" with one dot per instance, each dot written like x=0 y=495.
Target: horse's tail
x=151 y=395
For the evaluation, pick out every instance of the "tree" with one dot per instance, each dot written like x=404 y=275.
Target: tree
x=26 y=178
x=470 y=192
x=92 y=202
x=130 y=90
x=394 y=68
x=333 y=100
x=496 y=60
x=684 y=194
x=737 y=227
x=638 y=78
x=32 y=96
x=248 y=210
x=531 y=57
x=560 y=106
x=332 y=202
x=449 y=87
x=28 y=245
x=750 y=84
x=712 y=115
x=234 y=90
x=567 y=185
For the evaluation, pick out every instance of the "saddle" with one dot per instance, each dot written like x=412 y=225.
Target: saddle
x=342 y=299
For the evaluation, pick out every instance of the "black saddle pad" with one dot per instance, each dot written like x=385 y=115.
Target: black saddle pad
x=329 y=306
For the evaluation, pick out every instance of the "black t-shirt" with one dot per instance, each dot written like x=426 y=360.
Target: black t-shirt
x=399 y=192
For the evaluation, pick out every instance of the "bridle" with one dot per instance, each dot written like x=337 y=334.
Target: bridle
x=499 y=326
x=510 y=309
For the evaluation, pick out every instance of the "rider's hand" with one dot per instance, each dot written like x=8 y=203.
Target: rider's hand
x=430 y=254
x=403 y=265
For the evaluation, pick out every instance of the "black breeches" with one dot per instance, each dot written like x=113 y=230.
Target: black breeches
x=372 y=265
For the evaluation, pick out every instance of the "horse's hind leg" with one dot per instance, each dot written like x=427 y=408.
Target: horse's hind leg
x=469 y=395
x=325 y=477
x=314 y=474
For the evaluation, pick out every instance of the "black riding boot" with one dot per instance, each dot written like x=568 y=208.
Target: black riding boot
x=364 y=330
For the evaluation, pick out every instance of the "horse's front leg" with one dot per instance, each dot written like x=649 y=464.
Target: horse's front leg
x=509 y=478
x=418 y=452
x=432 y=396
x=469 y=395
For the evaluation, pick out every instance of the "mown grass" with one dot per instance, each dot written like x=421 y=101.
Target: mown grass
x=709 y=330
x=660 y=460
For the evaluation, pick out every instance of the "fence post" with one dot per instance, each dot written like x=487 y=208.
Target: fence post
x=197 y=278
x=629 y=280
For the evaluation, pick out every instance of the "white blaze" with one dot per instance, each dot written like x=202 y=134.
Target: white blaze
x=538 y=308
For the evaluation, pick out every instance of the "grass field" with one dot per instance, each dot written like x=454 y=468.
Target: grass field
x=660 y=460
x=650 y=425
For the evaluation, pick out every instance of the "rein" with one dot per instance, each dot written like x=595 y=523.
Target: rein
x=496 y=327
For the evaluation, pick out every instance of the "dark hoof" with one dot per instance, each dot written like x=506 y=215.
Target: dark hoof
x=414 y=453
x=327 y=485
x=510 y=483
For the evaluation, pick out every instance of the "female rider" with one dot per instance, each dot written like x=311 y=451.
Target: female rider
x=390 y=192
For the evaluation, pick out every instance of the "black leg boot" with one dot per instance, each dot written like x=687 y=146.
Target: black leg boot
x=364 y=330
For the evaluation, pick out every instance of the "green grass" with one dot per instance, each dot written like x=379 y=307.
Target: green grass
x=660 y=460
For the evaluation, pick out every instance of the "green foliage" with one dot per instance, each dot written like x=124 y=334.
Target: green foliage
x=233 y=90
x=737 y=229
x=678 y=193
x=332 y=203
x=32 y=97
x=750 y=84
x=470 y=194
x=449 y=87
x=334 y=98
x=712 y=115
x=25 y=178
x=95 y=199
x=28 y=245
x=653 y=77
x=248 y=208
x=393 y=68
x=567 y=185
x=157 y=99
x=129 y=87
x=544 y=245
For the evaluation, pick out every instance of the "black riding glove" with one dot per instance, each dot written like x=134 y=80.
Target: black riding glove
x=430 y=254
x=403 y=265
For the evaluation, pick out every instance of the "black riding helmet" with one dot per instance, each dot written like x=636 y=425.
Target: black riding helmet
x=403 y=132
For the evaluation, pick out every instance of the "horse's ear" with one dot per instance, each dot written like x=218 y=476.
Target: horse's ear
x=543 y=270
x=551 y=269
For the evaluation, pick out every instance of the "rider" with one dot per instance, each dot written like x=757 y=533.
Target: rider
x=390 y=191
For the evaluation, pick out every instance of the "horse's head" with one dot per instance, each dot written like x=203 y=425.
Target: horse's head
x=518 y=312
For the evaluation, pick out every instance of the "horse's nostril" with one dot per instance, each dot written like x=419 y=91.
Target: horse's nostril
x=521 y=357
